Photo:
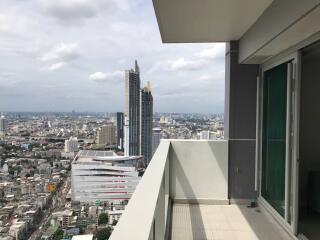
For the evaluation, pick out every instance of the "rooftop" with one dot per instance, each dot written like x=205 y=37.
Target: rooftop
x=92 y=153
x=92 y=156
x=83 y=237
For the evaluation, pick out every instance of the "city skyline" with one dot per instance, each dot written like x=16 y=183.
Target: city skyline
x=62 y=57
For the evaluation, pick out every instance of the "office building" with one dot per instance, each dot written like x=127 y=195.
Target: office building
x=156 y=136
x=103 y=176
x=106 y=135
x=269 y=159
x=132 y=111
x=120 y=130
x=71 y=145
x=146 y=123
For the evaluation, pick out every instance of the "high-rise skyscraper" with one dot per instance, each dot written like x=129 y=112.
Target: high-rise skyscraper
x=132 y=111
x=3 y=125
x=120 y=132
x=146 y=123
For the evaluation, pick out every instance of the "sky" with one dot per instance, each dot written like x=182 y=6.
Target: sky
x=58 y=55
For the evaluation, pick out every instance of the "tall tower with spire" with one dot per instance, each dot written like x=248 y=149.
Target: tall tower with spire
x=132 y=111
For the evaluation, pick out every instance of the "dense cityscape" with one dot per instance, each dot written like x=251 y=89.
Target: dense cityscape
x=56 y=167
x=159 y=120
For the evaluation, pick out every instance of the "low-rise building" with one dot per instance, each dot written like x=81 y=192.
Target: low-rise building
x=103 y=176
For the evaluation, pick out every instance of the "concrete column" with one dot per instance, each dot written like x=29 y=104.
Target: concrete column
x=240 y=123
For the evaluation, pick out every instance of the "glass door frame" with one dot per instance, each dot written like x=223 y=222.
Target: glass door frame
x=290 y=220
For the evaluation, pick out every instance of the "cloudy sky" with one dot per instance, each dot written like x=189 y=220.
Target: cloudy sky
x=60 y=55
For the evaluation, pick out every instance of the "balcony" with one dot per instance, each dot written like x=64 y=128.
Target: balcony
x=184 y=195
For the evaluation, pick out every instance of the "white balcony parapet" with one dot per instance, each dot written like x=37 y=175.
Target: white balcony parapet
x=199 y=171
x=185 y=171
x=139 y=216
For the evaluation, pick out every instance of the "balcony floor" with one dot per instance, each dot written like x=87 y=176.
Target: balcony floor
x=192 y=221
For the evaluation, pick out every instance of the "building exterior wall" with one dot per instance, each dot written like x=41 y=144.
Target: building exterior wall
x=146 y=124
x=156 y=136
x=106 y=135
x=240 y=123
x=120 y=130
x=126 y=136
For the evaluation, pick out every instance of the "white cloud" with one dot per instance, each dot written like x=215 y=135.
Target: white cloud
x=217 y=51
x=180 y=64
x=198 y=61
x=57 y=66
x=70 y=9
x=112 y=36
x=103 y=77
x=9 y=79
x=206 y=77
x=62 y=52
x=183 y=64
x=75 y=11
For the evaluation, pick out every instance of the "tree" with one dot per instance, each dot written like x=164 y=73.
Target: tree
x=82 y=231
x=104 y=233
x=58 y=234
x=103 y=218
x=114 y=222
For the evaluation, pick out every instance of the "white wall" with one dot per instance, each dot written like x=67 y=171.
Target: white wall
x=199 y=171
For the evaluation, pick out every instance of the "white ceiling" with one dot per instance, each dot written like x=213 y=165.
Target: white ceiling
x=206 y=20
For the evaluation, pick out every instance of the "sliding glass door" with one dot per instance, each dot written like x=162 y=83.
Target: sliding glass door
x=273 y=175
x=278 y=139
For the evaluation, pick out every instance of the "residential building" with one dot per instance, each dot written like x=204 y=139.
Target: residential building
x=64 y=217
x=120 y=130
x=3 y=124
x=146 y=123
x=132 y=111
x=71 y=145
x=205 y=135
x=114 y=215
x=103 y=176
x=156 y=136
x=106 y=135
x=269 y=159
x=18 y=230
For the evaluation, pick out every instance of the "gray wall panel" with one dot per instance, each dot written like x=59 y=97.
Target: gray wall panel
x=241 y=83
x=241 y=169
